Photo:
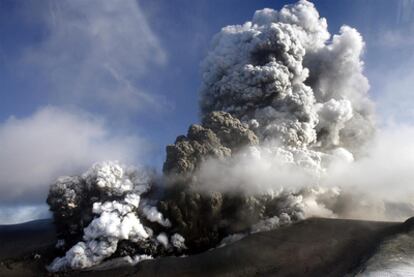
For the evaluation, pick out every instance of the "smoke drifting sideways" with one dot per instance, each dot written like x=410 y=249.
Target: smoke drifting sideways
x=286 y=123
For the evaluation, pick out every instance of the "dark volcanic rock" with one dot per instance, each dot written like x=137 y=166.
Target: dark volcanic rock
x=313 y=247
x=19 y=239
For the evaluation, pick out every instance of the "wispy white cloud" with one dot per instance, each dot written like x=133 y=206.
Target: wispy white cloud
x=395 y=39
x=15 y=215
x=405 y=11
x=52 y=142
x=395 y=102
x=96 y=53
x=391 y=68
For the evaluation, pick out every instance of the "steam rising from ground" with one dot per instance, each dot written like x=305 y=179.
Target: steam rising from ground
x=286 y=124
x=108 y=222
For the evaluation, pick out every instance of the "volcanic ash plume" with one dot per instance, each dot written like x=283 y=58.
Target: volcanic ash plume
x=282 y=75
x=281 y=103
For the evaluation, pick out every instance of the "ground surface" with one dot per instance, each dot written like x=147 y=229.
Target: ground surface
x=314 y=247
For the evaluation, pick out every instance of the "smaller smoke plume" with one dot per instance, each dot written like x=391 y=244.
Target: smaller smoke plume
x=102 y=208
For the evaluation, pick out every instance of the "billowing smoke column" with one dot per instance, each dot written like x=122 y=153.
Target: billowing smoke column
x=281 y=75
x=280 y=102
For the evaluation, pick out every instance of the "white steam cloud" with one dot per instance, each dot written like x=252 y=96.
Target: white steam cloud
x=95 y=53
x=113 y=220
x=51 y=142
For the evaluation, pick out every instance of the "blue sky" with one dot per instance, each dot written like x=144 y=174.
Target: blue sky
x=85 y=80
